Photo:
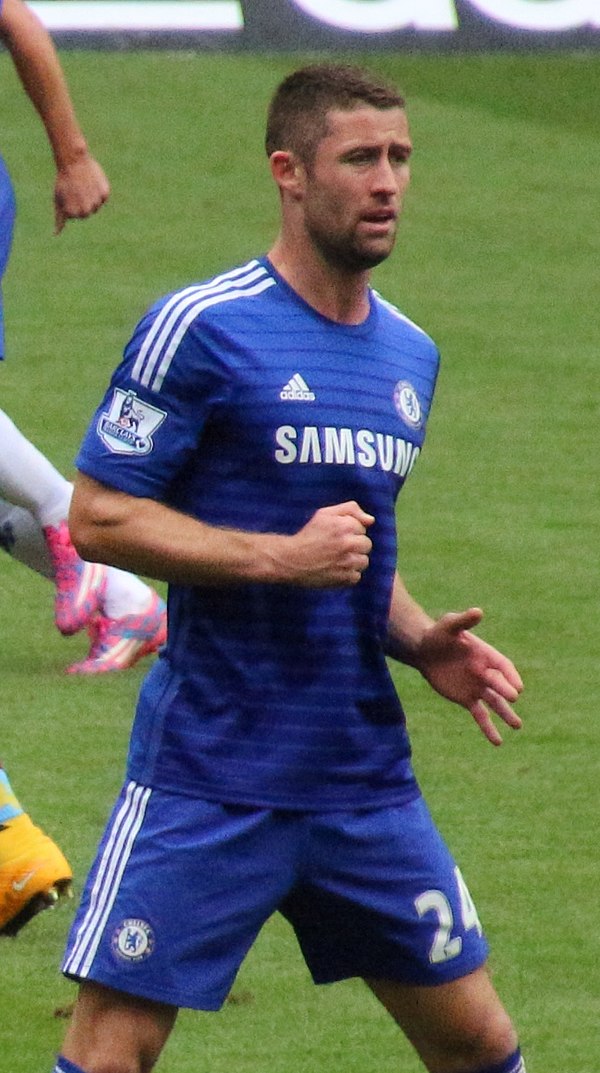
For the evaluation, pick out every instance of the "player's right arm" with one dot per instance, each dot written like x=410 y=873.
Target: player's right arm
x=81 y=186
x=145 y=536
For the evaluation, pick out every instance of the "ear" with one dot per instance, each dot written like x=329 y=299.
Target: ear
x=287 y=172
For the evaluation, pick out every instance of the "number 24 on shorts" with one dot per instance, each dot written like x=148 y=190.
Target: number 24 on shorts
x=445 y=945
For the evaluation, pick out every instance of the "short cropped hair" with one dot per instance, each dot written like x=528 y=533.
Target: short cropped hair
x=297 y=116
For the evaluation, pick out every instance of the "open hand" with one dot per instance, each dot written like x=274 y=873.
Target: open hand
x=465 y=669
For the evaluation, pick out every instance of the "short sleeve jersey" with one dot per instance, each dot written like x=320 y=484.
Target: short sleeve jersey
x=239 y=404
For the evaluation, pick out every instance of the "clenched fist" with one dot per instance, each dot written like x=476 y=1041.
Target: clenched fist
x=332 y=550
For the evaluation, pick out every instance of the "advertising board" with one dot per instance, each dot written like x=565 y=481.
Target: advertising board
x=267 y=25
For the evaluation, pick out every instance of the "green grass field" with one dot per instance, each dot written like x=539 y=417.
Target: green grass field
x=498 y=259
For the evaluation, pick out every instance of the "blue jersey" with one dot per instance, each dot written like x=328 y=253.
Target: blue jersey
x=7 y=223
x=239 y=404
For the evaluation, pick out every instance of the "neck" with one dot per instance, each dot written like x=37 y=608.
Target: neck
x=337 y=293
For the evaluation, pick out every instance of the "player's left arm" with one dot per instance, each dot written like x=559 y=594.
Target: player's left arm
x=456 y=662
x=81 y=186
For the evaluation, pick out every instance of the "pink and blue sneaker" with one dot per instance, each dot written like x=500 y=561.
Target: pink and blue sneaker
x=79 y=585
x=118 y=643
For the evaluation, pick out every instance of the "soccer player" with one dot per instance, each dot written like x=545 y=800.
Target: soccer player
x=125 y=617
x=285 y=404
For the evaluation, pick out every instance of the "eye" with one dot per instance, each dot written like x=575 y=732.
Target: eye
x=400 y=155
x=361 y=156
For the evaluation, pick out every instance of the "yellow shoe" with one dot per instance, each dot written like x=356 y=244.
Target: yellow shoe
x=33 y=873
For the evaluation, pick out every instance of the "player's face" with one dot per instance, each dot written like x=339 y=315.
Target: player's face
x=355 y=187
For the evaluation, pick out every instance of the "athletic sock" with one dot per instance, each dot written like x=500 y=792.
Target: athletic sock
x=9 y=805
x=22 y=537
x=513 y=1064
x=28 y=479
x=125 y=594
x=63 y=1065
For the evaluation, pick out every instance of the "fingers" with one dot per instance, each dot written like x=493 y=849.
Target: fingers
x=505 y=680
x=501 y=707
x=332 y=549
x=457 y=621
x=80 y=189
x=502 y=674
x=357 y=558
x=485 y=723
x=480 y=710
x=497 y=671
x=360 y=544
x=357 y=545
x=62 y=212
x=60 y=219
x=353 y=510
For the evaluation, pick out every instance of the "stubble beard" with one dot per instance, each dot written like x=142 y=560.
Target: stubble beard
x=346 y=253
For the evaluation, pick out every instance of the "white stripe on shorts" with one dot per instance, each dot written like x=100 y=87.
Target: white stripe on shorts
x=115 y=855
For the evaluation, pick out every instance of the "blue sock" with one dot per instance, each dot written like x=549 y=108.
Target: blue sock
x=9 y=806
x=513 y=1064
x=63 y=1065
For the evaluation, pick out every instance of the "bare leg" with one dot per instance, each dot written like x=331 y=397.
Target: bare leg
x=112 y=1032
x=454 y=1027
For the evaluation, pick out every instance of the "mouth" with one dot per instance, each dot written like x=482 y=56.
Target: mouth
x=380 y=221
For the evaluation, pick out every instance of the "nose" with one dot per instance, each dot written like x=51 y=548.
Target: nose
x=391 y=178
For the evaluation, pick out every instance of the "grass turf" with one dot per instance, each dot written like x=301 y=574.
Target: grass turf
x=497 y=259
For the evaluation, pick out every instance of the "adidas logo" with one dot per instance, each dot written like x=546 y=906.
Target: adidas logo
x=298 y=390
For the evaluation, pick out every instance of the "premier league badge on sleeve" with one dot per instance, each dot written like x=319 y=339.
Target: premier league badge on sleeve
x=128 y=426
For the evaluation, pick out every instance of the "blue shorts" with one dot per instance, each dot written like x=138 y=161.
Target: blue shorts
x=181 y=888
